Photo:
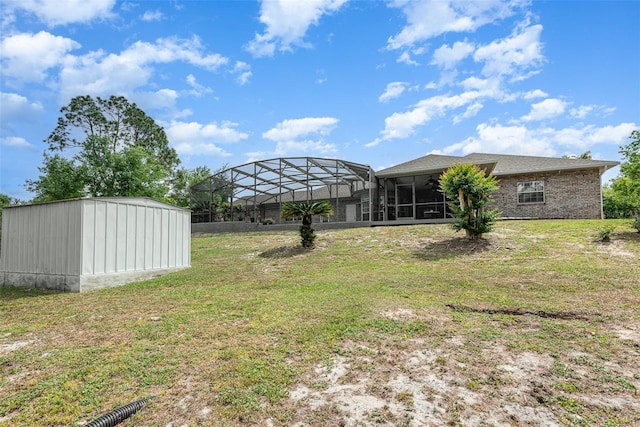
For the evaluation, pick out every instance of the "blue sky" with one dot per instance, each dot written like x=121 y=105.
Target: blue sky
x=367 y=81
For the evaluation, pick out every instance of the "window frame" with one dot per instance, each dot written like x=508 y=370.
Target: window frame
x=522 y=190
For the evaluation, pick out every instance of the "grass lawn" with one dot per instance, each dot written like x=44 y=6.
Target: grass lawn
x=537 y=324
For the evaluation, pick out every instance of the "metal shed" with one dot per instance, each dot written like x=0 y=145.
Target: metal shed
x=85 y=244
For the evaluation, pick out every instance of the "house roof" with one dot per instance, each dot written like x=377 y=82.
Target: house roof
x=498 y=164
x=433 y=163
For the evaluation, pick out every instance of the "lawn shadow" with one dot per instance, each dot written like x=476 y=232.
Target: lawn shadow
x=284 y=252
x=626 y=235
x=10 y=293
x=452 y=248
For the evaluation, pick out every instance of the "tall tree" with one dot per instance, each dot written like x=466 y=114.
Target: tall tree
x=586 y=155
x=114 y=149
x=624 y=192
x=306 y=211
x=472 y=189
x=182 y=183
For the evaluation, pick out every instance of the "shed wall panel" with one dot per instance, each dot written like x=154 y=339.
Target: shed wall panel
x=73 y=251
x=88 y=237
x=148 y=239
x=121 y=239
x=36 y=239
x=157 y=237
x=100 y=227
x=111 y=237
x=131 y=239
x=140 y=227
x=164 y=237
x=172 y=230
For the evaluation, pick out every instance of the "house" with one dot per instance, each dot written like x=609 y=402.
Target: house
x=530 y=187
x=85 y=244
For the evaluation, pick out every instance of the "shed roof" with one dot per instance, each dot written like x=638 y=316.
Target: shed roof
x=498 y=164
x=137 y=201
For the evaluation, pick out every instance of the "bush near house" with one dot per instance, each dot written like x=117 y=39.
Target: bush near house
x=471 y=187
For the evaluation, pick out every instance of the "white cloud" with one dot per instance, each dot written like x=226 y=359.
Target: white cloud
x=533 y=94
x=254 y=156
x=583 y=111
x=402 y=125
x=504 y=139
x=471 y=111
x=295 y=128
x=243 y=78
x=193 y=138
x=15 y=141
x=14 y=107
x=196 y=88
x=199 y=149
x=224 y=132
x=405 y=58
x=545 y=141
x=547 y=109
x=163 y=98
x=100 y=74
x=393 y=90
x=152 y=15
x=447 y=57
x=304 y=135
x=518 y=55
x=243 y=72
x=491 y=87
x=57 y=12
x=173 y=49
x=587 y=136
x=27 y=57
x=287 y=23
x=430 y=18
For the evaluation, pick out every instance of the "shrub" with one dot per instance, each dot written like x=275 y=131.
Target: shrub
x=635 y=223
x=605 y=232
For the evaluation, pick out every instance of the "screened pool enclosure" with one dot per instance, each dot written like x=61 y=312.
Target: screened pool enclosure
x=254 y=192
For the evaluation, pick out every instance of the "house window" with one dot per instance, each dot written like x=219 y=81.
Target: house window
x=531 y=192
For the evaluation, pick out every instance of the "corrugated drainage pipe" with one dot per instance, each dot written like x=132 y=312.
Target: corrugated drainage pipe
x=118 y=415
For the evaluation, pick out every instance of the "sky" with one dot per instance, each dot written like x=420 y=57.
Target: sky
x=373 y=82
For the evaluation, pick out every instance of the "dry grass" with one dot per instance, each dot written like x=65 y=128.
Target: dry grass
x=537 y=324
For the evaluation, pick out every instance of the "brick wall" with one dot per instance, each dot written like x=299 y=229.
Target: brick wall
x=568 y=194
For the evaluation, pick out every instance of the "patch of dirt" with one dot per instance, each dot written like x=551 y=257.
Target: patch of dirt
x=399 y=314
x=420 y=386
x=6 y=348
x=629 y=332
x=616 y=248
x=414 y=383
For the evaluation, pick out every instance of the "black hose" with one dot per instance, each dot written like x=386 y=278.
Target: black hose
x=118 y=415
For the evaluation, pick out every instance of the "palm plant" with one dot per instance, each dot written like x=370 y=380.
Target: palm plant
x=306 y=211
x=472 y=188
